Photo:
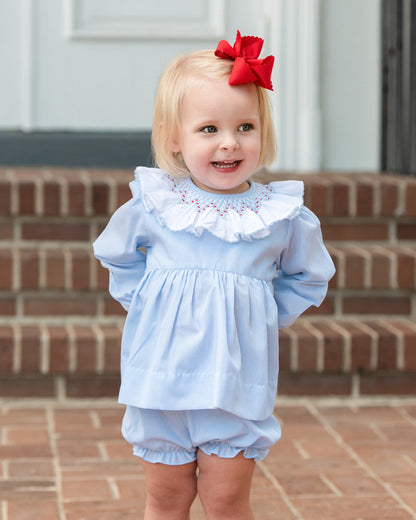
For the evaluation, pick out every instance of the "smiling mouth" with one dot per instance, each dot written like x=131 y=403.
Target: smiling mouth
x=226 y=165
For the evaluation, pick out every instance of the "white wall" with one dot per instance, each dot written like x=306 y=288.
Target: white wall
x=351 y=84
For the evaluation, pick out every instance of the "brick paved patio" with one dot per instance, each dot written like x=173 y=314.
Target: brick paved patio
x=338 y=460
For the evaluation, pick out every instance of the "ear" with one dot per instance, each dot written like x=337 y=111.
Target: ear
x=174 y=145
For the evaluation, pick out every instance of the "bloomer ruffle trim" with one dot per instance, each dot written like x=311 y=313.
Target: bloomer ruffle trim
x=169 y=457
x=182 y=456
x=226 y=451
x=181 y=206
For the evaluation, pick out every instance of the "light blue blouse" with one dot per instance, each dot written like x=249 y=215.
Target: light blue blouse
x=221 y=274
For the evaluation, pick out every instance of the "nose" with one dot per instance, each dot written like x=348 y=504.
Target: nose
x=229 y=142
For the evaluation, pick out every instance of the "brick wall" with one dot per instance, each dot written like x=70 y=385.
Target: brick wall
x=60 y=330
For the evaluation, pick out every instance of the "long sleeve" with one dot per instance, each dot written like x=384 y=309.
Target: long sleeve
x=305 y=268
x=117 y=250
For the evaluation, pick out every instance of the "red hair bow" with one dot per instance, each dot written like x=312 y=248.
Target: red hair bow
x=247 y=68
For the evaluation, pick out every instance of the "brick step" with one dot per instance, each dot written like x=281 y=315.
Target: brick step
x=374 y=266
x=52 y=267
x=28 y=307
x=60 y=330
x=345 y=357
x=68 y=282
x=88 y=192
x=60 y=205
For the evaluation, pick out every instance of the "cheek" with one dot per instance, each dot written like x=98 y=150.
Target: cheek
x=254 y=147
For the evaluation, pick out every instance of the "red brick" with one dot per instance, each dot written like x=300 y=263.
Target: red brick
x=408 y=333
x=335 y=280
x=29 y=269
x=31 y=469
x=285 y=350
x=55 y=231
x=326 y=308
x=26 y=197
x=76 y=198
x=80 y=261
x=304 y=485
x=307 y=344
x=411 y=199
x=319 y=199
x=51 y=198
x=406 y=231
x=100 y=198
x=33 y=507
x=6 y=348
x=406 y=269
x=387 y=344
x=354 y=269
x=123 y=194
x=30 y=338
x=18 y=386
x=58 y=306
x=383 y=305
x=333 y=348
x=7 y=306
x=25 y=435
x=55 y=269
x=388 y=384
x=86 y=343
x=97 y=489
x=360 y=347
x=355 y=231
x=314 y=384
x=90 y=386
x=5 y=198
x=380 y=270
x=112 y=307
x=6 y=230
x=365 y=198
x=58 y=349
x=340 y=199
x=112 y=347
x=389 y=197
x=101 y=276
x=6 y=271
x=347 y=508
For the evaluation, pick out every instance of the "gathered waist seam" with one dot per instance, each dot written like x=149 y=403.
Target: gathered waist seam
x=205 y=269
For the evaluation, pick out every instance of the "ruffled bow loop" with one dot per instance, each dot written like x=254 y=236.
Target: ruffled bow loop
x=247 y=67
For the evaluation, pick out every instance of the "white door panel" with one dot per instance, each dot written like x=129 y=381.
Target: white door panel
x=93 y=65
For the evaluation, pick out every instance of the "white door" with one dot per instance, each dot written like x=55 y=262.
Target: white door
x=93 y=65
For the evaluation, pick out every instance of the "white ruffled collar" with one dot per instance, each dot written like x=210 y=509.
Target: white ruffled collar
x=181 y=206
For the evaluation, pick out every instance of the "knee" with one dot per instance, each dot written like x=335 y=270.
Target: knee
x=227 y=501
x=171 y=497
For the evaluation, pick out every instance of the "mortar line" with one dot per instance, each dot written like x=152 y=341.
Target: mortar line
x=55 y=462
x=4 y=510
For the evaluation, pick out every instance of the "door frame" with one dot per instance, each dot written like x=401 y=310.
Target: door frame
x=399 y=86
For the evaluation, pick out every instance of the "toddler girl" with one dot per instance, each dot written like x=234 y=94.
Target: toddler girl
x=227 y=262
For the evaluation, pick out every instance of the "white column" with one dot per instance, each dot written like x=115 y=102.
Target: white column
x=294 y=27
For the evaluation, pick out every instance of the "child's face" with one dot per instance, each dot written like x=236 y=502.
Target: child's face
x=219 y=135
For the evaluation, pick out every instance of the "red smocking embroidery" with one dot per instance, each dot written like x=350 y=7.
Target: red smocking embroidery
x=252 y=203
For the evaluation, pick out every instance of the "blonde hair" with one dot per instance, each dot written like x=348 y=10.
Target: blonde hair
x=180 y=76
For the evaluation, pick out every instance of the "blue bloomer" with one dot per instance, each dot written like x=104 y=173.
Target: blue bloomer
x=173 y=437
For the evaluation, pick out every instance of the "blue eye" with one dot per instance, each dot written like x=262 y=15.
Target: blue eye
x=209 y=129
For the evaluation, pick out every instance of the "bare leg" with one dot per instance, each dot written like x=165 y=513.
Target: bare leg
x=170 y=490
x=224 y=486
